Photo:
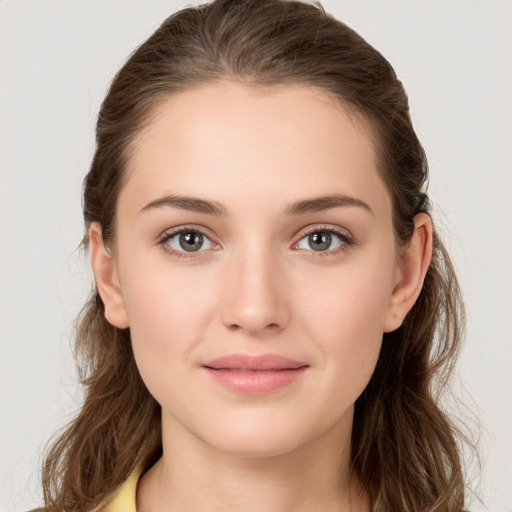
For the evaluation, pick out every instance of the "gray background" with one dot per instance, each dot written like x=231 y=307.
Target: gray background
x=56 y=60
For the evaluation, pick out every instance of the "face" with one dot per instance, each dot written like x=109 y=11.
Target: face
x=256 y=265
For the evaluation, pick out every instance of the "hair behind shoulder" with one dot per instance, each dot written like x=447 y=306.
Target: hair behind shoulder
x=404 y=447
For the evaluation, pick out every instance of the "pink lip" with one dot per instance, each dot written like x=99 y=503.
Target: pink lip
x=254 y=374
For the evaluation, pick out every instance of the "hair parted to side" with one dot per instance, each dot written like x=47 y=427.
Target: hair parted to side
x=404 y=448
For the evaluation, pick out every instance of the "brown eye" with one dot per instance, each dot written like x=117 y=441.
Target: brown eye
x=188 y=241
x=322 y=241
x=191 y=242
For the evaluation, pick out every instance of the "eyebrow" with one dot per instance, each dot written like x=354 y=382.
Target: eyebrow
x=192 y=204
x=316 y=204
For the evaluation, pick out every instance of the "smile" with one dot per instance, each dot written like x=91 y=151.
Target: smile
x=254 y=375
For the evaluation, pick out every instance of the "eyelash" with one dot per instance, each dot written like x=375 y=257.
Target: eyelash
x=165 y=237
x=345 y=239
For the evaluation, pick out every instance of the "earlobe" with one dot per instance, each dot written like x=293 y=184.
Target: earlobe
x=104 y=267
x=414 y=261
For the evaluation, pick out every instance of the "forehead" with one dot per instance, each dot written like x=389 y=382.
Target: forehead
x=230 y=138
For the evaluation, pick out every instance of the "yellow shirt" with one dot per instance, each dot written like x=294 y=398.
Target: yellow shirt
x=124 y=500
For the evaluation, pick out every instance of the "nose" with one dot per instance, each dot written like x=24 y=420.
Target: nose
x=255 y=294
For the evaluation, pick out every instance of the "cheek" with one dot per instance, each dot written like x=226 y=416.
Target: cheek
x=168 y=314
x=352 y=298
x=344 y=313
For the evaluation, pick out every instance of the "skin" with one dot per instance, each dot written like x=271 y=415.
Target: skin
x=256 y=287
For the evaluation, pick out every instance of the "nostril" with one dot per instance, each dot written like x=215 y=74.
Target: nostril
x=249 y=309
x=269 y=327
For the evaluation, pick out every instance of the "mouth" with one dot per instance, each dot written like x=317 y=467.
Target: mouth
x=255 y=374
x=263 y=363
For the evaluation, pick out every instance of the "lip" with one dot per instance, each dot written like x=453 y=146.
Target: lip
x=254 y=374
x=257 y=363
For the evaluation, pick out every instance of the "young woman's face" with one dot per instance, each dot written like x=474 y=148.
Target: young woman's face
x=256 y=263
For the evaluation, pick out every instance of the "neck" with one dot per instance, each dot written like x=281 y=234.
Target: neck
x=193 y=475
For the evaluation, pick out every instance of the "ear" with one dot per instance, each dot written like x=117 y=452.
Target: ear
x=414 y=260
x=104 y=267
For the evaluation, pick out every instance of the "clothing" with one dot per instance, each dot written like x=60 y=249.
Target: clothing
x=124 y=500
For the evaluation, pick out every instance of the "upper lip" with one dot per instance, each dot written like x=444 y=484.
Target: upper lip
x=248 y=362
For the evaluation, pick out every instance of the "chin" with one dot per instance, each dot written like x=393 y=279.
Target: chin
x=260 y=446
x=266 y=438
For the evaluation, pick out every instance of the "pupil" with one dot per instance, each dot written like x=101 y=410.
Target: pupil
x=320 y=241
x=191 y=241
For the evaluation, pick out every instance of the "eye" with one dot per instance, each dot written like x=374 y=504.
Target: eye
x=323 y=240
x=187 y=240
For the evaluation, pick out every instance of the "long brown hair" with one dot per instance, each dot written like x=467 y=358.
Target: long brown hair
x=404 y=448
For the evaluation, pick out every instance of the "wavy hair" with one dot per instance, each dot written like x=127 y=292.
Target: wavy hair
x=405 y=449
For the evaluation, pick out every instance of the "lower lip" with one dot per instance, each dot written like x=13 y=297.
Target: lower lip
x=256 y=382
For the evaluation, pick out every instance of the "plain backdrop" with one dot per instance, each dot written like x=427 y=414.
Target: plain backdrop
x=56 y=60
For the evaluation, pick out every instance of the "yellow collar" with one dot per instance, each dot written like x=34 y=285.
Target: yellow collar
x=124 y=500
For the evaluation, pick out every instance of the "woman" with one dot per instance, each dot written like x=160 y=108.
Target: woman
x=274 y=310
